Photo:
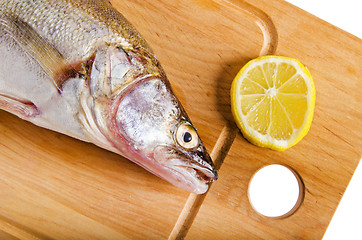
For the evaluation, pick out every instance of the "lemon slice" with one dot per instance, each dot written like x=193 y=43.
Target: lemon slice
x=272 y=101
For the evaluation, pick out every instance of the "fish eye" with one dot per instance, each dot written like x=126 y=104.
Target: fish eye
x=186 y=136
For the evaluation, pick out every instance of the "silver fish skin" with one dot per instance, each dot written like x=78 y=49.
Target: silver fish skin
x=80 y=68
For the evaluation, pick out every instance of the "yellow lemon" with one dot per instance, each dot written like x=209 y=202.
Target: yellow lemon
x=272 y=101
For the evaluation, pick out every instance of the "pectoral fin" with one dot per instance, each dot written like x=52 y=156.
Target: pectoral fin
x=49 y=58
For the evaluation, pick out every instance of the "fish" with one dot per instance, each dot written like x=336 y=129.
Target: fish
x=78 y=67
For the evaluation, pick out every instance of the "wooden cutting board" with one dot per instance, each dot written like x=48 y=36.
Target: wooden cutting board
x=56 y=187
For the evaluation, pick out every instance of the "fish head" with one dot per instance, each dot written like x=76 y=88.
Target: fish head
x=146 y=123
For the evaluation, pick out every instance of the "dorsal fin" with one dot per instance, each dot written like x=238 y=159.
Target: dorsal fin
x=49 y=58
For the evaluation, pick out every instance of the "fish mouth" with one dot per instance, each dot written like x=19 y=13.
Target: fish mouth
x=196 y=179
x=192 y=171
x=202 y=173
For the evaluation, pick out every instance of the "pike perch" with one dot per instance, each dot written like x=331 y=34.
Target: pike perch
x=80 y=68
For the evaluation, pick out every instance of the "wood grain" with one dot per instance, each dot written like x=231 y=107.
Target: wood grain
x=56 y=187
x=325 y=159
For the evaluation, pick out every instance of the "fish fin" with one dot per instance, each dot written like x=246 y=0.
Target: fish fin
x=21 y=108
x=49 y=58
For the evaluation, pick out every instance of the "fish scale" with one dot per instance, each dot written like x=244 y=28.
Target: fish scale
x=71 y=36
x=81 y=69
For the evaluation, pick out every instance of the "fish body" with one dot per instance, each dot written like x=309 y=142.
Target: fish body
x=80 y=68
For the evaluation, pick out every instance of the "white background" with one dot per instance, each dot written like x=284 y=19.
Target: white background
x=347 y=15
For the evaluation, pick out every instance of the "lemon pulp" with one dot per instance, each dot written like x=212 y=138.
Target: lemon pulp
x=272 y=100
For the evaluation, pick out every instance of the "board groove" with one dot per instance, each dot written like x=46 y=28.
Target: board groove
x=228 y=134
